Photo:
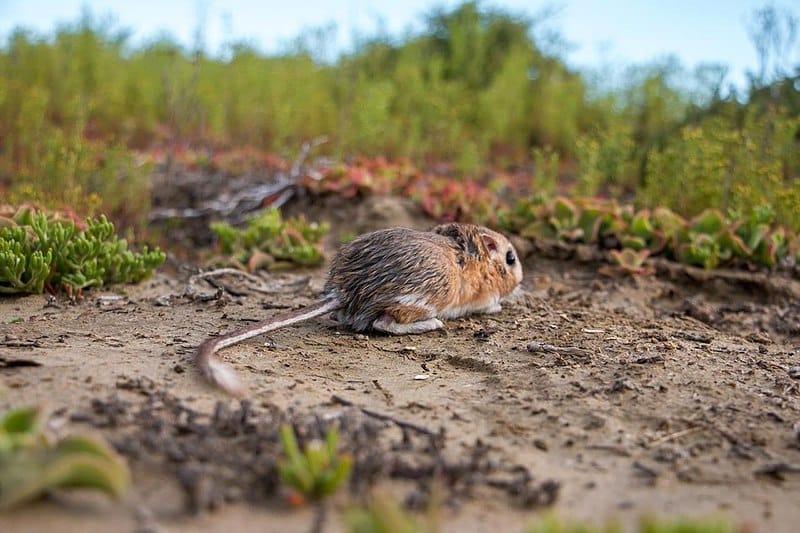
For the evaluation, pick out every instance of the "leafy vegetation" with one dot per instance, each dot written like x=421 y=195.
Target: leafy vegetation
x=319 y=470
x=31 y=465
x=440 y=196
x=40 y=251
x=551 y=524
x=382 y=514
x=482 y=89
x=736 y=167
x=271 y=242
x=709 y=240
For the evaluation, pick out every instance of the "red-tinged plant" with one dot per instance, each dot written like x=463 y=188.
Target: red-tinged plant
x=349 y=181
x=246 y=160
x=448 y=200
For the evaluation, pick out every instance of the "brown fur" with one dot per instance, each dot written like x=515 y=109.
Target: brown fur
x=405 y=314
x=397 y=280
x=450 y=266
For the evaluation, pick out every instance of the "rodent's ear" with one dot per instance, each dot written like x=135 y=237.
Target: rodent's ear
x=490 y=242
x=461 y=235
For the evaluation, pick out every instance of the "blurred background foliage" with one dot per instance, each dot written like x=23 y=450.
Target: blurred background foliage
x=477 y=88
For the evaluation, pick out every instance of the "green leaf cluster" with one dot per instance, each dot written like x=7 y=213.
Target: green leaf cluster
x=30 y=465
x=551 y=524
x=268 y=240
x=317 y=471
x=38 y=251
x=710 y=239
x=382 y=514
x=630 y=262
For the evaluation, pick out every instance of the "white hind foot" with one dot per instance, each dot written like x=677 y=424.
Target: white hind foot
x=389 y=325
x=492 y=309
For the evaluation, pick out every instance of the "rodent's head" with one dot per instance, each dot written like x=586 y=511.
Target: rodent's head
x=491 y=248
x=503 y=257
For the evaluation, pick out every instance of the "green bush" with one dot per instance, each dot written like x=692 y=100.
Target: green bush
x=39 y=252
x=720 y=164
x=466 y=82
x=607 y=162
x=269 y=241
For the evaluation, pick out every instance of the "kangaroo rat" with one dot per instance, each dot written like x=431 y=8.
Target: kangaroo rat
x=397 y=281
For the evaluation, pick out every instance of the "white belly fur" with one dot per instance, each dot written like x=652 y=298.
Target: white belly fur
x=490 y=305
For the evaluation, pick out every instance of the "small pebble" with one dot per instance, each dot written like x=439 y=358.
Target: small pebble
x=794 y=372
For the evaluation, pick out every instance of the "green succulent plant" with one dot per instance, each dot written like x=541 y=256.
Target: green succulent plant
x=317 y=471
x=631 y=261
x=755 y=227
x=31 y=465
x=39 y=251
x=710 y=239
x=269 y=240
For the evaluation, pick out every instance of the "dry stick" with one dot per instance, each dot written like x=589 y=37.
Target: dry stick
x=674 y=435
x=18 y=343
x=778 y=469
x=565 y=350
x=294 y=173
x=320 y=514
x=249 y=199
x=259 y=284
x=613 y=448
x=380 y=416
x=287 y=188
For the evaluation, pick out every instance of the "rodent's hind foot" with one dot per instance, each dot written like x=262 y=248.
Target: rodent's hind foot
x=492 y=309
x=388 y=324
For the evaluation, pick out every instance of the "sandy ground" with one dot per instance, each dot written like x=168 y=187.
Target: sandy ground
x=650 y=396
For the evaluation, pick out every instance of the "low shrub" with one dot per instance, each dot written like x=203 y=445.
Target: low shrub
x=41 y=251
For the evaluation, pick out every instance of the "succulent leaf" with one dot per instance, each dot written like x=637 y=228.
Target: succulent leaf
x=30 y=466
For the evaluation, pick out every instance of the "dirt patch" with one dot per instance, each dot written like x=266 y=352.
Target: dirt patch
x=645 y=395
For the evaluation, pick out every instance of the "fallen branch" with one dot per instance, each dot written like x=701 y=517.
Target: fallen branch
x=674 y=435
x=388 y=418
x=778 y=470
x=238 y=206
x=561 y=350
x=255 y=283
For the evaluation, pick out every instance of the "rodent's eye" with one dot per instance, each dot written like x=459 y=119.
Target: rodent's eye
x=510 y=259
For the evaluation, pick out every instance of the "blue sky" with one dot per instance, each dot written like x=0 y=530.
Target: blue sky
x=599 y=32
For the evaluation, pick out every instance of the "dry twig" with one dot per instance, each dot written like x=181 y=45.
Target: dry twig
x=254 y=283
x=561 y=350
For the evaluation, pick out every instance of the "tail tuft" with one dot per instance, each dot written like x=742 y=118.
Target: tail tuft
x=224 y=376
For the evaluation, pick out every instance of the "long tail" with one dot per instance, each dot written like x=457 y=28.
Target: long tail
x=220 y=373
